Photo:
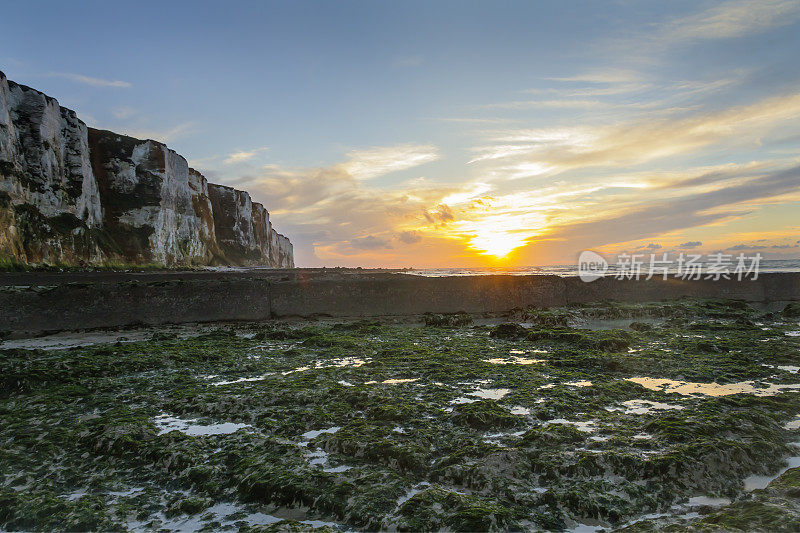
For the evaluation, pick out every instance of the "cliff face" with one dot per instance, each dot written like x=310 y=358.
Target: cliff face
x=76 y=195
x=243 y=227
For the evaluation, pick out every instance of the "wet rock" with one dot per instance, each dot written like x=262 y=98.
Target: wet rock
x=484 y=414
x=508 y=331
x=608 y=340
x=791 y=310
x=454 y=320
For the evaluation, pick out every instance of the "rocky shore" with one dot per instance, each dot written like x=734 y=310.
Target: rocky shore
x=679 y=416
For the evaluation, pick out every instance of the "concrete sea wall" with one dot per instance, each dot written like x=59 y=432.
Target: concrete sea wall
x=36 y=302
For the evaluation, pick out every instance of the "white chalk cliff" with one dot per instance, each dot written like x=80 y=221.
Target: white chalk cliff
x=76 y=195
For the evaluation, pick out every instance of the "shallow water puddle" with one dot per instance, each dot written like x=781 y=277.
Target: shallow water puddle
x=581 y=383
x=227 y=514
x=460 y=400
x=497 y=438
x=240 y=380
x=708 y=501
x=341 y=362
x=320 y=458
x=641 y=407
x=794 y=424
x=711 y=389
x=480 y=394
x=786 y=368
x=489 y=394
x=411 y=493
x=756 y=482
x=392 y=381
x=166 y=423
x=587 y=426
x=513 y=361
x=308 y=435
x=65 y=340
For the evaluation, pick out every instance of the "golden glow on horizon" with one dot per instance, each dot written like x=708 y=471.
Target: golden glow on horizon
x=497 y=244
x=496 y=227
x=540 y=195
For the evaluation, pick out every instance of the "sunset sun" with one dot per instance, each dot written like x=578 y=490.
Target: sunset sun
x=497 y=244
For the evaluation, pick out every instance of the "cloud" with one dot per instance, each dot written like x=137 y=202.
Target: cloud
x=377 y=161
x=335 y=217
x=723 y=20
x=370 y=242
x=163 y=136
x=241 y=156
x=691 y=244
x=653 y=246
x=550 y=151
x=88 y=80
x=603 y=76
x=653 y=217
x=409 y=237
x=739 y=247
x=442 y=215
x=121 y=113
x=408 y=61
x=727 y=20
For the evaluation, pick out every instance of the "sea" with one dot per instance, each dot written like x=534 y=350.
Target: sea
x=705 y=267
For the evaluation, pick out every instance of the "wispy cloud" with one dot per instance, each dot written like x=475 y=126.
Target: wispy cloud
x=89 y=80
x=603 y=76
x=123 y=112
x=336 y=213
x=726 y=20
x=651 y=217
x=162 y=135
x=377 y=161
x=241 y=156
x=536 y=152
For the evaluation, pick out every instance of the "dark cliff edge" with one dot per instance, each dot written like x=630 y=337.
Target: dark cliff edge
x=74 y=195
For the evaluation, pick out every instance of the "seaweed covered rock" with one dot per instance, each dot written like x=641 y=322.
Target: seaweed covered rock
x=610 y=340
x=509 y=330
x=484 y=414
x=453 y=320
x=436 y=509
x=791 y=310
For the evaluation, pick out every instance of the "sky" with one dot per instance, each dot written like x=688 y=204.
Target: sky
x=453 y=133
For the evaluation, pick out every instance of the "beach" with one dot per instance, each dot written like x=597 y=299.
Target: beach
x=611 y=416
